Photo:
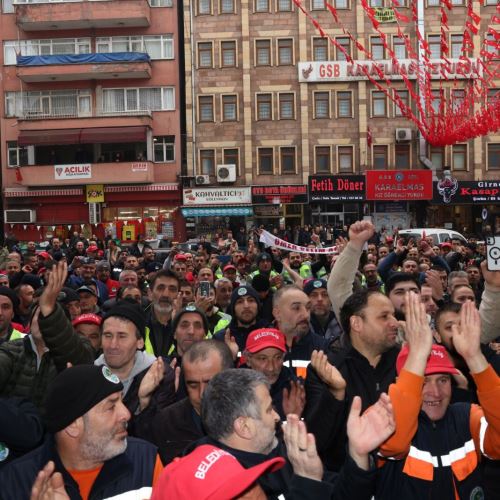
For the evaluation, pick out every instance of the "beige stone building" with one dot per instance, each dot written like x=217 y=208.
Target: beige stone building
x=266 y=93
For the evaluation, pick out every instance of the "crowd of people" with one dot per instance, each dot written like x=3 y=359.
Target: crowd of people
x=369 y=369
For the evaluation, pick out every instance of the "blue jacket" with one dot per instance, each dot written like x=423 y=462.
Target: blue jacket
x=128 y=471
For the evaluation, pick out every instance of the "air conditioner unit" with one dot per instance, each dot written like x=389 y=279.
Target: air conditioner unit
x=200 y=180
x=226 y=173
x=403 y=134
x=14 y=216
x=94 y=213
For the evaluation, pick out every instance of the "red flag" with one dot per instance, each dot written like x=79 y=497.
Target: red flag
x=369 y=138
x=19 y=175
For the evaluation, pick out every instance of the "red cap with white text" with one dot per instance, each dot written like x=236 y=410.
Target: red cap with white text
x=438 y=362
x=264 y=338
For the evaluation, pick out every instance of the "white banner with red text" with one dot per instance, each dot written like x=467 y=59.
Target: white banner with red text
x=273 y=241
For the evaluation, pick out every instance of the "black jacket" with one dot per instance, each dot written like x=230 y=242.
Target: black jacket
x=326 y=417
x=128 y=471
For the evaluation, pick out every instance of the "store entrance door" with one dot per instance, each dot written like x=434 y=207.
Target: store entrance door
x=335 y=219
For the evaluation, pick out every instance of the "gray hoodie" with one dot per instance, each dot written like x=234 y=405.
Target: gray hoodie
x=142 y=361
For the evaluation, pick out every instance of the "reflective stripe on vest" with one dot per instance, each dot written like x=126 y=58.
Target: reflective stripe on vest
x=144 y=492
x=463 y=461
x=482 y=435
x=148 y=346
x=300 y=366
x=16 y=334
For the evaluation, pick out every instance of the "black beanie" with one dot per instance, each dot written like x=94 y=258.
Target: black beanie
x=261 y=282
x=8 y=292
x=242 y=291
x=131 y=311
x=190 y=309
x=75 y=391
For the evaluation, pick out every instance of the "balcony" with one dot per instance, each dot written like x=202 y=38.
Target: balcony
x=43 y=15
x=140 y=172
x=74 y=67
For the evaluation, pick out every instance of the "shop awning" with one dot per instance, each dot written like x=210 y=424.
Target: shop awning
x=217 y=211
x=82 y=136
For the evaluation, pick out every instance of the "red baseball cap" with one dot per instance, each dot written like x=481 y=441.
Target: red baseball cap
x=265 y=337
x=438 y=362
x=92 y=249
x=229 y=267
x=445 y=244
x=44 y=255
x=180 y=256
x=87 y=318
x=209 y=473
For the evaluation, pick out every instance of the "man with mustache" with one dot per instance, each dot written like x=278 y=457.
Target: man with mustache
x=88 y=447
x=166 y=300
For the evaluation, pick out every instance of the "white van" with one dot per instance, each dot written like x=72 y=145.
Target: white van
x=439 y=235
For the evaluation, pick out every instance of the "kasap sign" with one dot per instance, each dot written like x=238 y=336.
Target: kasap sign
x=77 y=171
x=217 y=196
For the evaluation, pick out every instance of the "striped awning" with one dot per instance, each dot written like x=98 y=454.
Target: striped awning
x=27 y=193
x=150 y=187
x=217 y=211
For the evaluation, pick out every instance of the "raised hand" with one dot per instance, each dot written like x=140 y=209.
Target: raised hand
x=434 y=281
x=177 y=372
x=301 y=449
x=466 y=338
x=360 y=232
x=231 y=343
x=328 y=374
x=57 y=278
x=294 y=400
x=368 y=431
x=49 y=485
x=150 y=382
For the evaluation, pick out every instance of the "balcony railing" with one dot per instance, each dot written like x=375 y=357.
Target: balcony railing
x=63 y=113
x=157 y=3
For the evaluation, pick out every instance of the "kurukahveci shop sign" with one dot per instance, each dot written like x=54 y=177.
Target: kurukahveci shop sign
x=452 y=191
x=336 y=188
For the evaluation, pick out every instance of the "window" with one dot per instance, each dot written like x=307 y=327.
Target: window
x=320 y=49
x=457 y=2
x=437 y=101
x=138 y=99
x=344 y=104
x=48 y=103
x=437 y=156
x=376 y=3
x=207 y=161
x=205 y=59
x=284 y=5
x=231 y=157
x=317 y=4
x=16 y=156
x=345 y=43
x=323 y=159
x=285 y=51
x=345 y=159
x=265 y=156
x=164 y=148
x=380 y=157
x=433 y=3
x=459 y=157
x=226 y=7
x=403 y=156
x=377 y=48
x=399 y=48
x=228 y=54
x=263 y=52
x=342 y=4
x=494 y=156
x=206 y=108
x=405 y=97
x=491 y=46
x=264 y=107
x=204 y=7
x=287 y=160
x=321 y=104
x=456 y=46
x=229 y=108
x=457 y=99
x=261 y=5
x=434 y=42
x=156 y=46
x=161 y=3
x=492 y=95
x=379 y=103
x=286 y=106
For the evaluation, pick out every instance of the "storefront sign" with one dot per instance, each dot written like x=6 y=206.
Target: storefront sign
x=140 y=167
x=267 y=210
x=398 y=185
x=217 y=196
x=279 y=194
x=76 y=171
x=384 y=14
x=449 y=191
x=391 y=207
x=339 y=71
x=94 y=193
x=336 y=188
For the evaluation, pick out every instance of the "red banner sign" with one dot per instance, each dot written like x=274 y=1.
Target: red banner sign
x=396 y=185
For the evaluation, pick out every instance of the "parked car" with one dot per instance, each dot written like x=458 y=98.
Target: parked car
x=439 y=235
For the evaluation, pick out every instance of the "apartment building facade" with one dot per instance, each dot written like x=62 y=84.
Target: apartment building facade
x=91 y=116
x=266 y=113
